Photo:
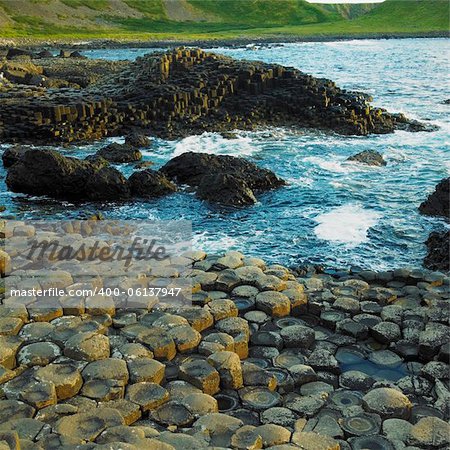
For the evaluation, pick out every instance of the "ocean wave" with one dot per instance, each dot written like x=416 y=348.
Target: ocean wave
x=216 y=144
x=346 y=224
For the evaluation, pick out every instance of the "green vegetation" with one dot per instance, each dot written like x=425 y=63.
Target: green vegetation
x=153 y=9
x=96 y=5
x=267 y=12
x=226 y=19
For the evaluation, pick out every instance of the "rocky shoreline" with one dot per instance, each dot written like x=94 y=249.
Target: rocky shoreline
x=266 y=357
x=173 y=94
x=93 y=44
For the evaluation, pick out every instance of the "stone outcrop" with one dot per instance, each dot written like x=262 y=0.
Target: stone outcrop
x=173 y=94
x=150 y=183
x=47 y=172
x=137 y=140
x=120 y=153
x=115 y=377
x=438 y=251
x=369 y=157
x=225 y=180
x=221 y=178
x=438 y=202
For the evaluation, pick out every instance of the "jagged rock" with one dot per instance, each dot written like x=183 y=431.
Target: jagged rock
x=219 y=427
x=158 y=91
x=13 y=154
x=147 y=395
x=5 y=265
x=137 y=140
x=200 y=374
x=438 y=249
x=229 y=367
x=120 y=153
x=66 y=378
x=46 y=172
x=150 y=183
x=226 y=190
x=437 y=203
x=369 y=157
x=220 y=178
x=189 y=168
x=247 y=438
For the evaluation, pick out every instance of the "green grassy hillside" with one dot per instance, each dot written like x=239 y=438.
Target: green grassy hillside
x=215 y=19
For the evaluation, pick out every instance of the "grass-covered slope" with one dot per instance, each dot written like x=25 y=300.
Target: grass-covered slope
x=215 y=19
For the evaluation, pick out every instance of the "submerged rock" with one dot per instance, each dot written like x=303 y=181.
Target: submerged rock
x=369 y=157
x=437 y=203
x=46 y=172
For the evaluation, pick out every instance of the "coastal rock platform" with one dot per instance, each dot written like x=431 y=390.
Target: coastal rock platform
x=173 y=94
x=264 y=357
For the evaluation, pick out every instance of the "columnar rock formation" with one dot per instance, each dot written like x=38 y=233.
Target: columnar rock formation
x=265 y=356
x=172 y=94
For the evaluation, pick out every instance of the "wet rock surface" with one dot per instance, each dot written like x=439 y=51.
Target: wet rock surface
x=173 y=94
x=280 y=373
x=226 y=180
x=437 y=203
x=369 y=157
x=47 y=172
x=438 y=251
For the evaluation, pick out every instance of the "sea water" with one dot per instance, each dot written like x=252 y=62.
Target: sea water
x=333 y=212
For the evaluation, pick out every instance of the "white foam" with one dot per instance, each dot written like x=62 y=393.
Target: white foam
x=213 y=243
x=346 y=224
x=216 y=144
x=330 y=164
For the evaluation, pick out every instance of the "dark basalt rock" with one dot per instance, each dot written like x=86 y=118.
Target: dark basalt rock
x=12 y=155
x=150 y=183
x=12 y=52
x=220 y=178
x=438 y=203
x=76 y=54
x=369 y=157
x=46 y=172
x=190 y=168
x=438 y=256
x=137 y=140
x=225 y=189
x=45 y=54
x=178 y=93
x=120 y=153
